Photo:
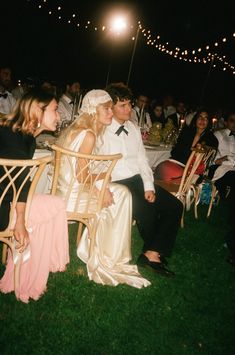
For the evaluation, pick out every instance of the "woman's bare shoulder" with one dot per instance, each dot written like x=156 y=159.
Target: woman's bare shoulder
x=90 y=135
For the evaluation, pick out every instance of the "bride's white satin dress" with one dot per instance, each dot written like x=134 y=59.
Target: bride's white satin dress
x=108 y=262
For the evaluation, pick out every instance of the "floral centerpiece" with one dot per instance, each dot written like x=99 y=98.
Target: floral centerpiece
x=155 y=135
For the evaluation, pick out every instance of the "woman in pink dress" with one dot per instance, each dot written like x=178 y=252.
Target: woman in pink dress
x=46 y=235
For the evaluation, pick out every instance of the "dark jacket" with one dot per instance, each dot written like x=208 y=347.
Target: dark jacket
x=182 y=149
x=14 y=145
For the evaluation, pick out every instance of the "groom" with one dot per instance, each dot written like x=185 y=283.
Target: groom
x=157 y=212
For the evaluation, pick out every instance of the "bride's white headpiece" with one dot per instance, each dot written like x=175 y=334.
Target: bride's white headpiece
x=92 y=99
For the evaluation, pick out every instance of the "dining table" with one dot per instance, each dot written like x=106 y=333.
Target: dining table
x=157 y=153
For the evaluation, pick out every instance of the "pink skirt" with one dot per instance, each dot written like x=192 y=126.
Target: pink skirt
x=49 y=248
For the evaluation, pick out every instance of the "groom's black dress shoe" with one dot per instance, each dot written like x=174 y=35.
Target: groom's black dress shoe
x=231 y=260
x=158 y=268
x=163 y=260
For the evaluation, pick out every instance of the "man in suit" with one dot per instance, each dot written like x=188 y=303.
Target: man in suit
x=179 y=116
x=224 y=175
x=68 y=103
x=7 y=101
x=157 y=212
x=139 y=114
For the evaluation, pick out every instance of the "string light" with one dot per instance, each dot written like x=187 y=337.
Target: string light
x=187 y=55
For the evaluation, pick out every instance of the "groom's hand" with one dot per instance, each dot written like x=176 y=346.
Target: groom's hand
x=150 y=196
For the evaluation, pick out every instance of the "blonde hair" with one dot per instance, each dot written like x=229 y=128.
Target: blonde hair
x=84 y=121
x=27 y=112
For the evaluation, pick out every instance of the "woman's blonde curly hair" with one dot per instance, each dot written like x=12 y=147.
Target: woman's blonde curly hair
x=83 y=122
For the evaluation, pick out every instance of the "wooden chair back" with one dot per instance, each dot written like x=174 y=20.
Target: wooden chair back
x=88 y=176
x=208 y=159
x=189 y=177
x=16 y=175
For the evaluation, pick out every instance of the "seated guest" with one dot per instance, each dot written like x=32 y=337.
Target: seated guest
x=157 y=113
x=192 y=111
x=196 y=134
x=224 y=174
x=46 y=234
x=49 y=85
x=67 y=102
x=168 y=104
x=108 y=262
x=7 y=101
x=178 y=115
x=157 y=212
x=23 y=86
x=139 y=114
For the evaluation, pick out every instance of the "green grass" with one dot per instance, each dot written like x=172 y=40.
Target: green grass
x=191 y=314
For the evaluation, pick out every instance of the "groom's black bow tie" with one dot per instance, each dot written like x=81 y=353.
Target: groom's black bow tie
x=232 y=134
x=120 y=130
x=4 y=96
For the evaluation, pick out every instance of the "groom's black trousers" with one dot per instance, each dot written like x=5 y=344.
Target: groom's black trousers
x=157 y=222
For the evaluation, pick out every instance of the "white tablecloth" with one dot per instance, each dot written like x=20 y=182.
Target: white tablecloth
x=157 y=154
x=43 y=186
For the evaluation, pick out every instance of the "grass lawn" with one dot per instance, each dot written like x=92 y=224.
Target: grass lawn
x=194 y=313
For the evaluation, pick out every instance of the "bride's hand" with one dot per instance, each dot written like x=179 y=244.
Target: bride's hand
x=108 y=198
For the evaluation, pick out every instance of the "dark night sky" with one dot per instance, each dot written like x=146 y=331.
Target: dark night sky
x=36 y=44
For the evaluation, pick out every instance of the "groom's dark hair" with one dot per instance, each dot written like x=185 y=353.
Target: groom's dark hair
x=119 y=92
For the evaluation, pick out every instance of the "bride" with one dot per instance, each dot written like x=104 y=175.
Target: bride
x=108 y=261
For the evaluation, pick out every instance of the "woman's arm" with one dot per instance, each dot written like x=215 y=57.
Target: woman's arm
x=87 y=147
x=20 y=232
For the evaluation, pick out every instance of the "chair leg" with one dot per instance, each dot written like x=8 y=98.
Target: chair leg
x=79 y=233
x=182 y=218
x=92 y=235
x=228 y=189
x=182 y=222
x=196 y=202
x=4 y=253
x=213 y=195
x=17 y=276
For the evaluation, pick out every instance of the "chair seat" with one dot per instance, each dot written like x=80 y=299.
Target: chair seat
x=182 y=189
x=169 y=186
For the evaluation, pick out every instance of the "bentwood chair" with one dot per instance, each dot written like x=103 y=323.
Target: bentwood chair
x=15 y=177
x=197 y=188
x=91 y=174
x=184 y=190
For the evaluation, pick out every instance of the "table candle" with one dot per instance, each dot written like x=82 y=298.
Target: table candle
x=214 y=121
x=181 y=123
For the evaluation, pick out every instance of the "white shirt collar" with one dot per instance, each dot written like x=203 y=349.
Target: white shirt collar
x=66 y=98
x=113 y=127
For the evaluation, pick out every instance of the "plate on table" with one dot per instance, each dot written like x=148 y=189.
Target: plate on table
x=151 y=145
x=43 y=141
